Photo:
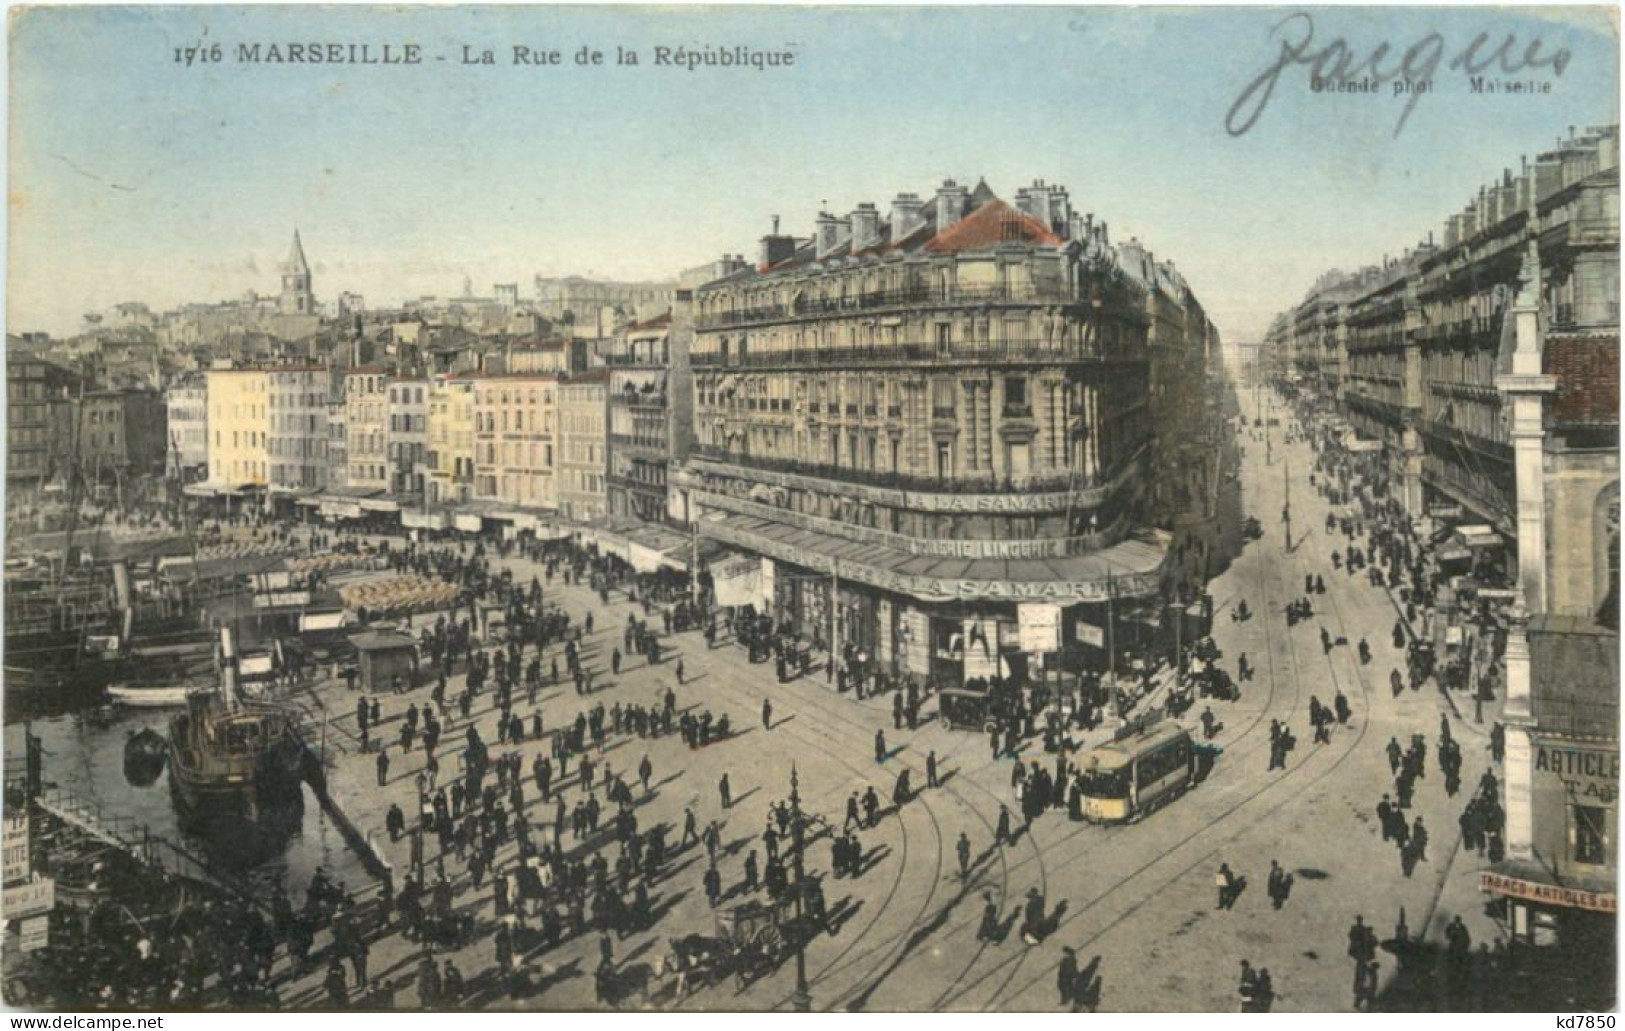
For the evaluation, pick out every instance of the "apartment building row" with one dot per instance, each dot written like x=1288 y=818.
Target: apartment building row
x=1477 y=375
x=361 y=438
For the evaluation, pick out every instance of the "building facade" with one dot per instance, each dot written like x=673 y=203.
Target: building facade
x=651 y=420
x=583 y=446
x=297 y=397
x=931 y=428
x=366 y=415
x=515 y=434
x=187 y=401
x=451 y=440
x=239 y=422
x=38 y=419
x=408 y=435
x=121 y=433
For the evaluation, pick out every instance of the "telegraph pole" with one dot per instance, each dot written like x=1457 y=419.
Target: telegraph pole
x=1286 y=512
x=834 y=623
x=802 y=998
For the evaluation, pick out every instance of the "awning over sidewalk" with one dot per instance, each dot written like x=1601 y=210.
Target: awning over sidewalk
x=1128 y=569
x=218 y=489
x=648 y=547
x=1532 y=883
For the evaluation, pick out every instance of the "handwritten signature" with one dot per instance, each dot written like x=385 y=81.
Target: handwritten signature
x=1338 y=62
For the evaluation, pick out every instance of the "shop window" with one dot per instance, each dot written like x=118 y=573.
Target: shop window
x=1588 y=834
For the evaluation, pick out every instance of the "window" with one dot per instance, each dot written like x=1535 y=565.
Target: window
x=1588 y=834
x=1015 y=392
x=945 y=460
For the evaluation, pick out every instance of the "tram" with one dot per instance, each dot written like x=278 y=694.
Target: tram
x=1126 y=779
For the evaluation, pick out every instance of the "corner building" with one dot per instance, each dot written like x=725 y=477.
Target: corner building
x=922 y=423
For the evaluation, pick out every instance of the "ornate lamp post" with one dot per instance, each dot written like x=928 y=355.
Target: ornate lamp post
x=802 y=997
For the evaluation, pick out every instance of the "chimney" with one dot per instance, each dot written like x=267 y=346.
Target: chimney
x=951 y=200
x=831 y=232
x=905 y=215
x=775 y=248
x=865 y=219
x=1060 y=209
x=1034 y=201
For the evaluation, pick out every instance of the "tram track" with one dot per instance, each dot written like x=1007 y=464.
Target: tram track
x=1207 y=857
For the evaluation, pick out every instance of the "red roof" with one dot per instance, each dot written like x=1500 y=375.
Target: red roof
x=1587 y=371
x=990 y=225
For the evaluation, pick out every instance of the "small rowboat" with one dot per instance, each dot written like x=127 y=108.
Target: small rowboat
x=145 y=697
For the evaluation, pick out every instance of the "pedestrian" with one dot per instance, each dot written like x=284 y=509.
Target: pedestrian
x=988 y=931
x=1228 y=885
x=750 y=871
x=880 y=746
x=383 y=765
x=338 y=996
x=1066 y=977
x=767 y=714
x=713 y=885
x=1279 y=886
x=931 y=769
x=679 y=672
x=1001 y=834
x=963 y=848
x=724 y=791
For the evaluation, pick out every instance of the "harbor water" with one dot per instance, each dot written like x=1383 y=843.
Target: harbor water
x=84 y=756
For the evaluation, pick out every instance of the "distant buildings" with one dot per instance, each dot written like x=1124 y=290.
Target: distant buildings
x=39 y=419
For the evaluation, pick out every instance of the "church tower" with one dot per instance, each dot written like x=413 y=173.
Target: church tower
x=297 y=298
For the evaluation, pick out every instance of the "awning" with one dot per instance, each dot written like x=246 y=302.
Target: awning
x=1129 y=569
x=206 y=489
x=380 y=504
x=424 y=520
x=1454 y=553
x=1533 y=886
x=1489 y=539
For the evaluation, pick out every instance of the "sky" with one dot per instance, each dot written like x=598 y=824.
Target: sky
x=133 y=176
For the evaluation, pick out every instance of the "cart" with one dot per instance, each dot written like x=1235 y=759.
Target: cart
x=754 y=933
x=965 y=710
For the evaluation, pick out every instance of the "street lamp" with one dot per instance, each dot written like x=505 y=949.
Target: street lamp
x=802 y=998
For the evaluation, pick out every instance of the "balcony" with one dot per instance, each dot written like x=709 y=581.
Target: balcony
x=1017 y=411
x=947 y=413
x=655 y=444
x=964 y=352
x=985 y=484
x=912 y=296
x=637 y=400
x=1573 y=316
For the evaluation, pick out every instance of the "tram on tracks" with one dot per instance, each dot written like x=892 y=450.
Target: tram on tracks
x=1124 y=780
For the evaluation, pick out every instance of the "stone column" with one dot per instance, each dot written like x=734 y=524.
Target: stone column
x=1520 y=752
x=1523 y=390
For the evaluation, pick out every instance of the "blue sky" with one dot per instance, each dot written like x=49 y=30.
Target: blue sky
x=134 y=178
